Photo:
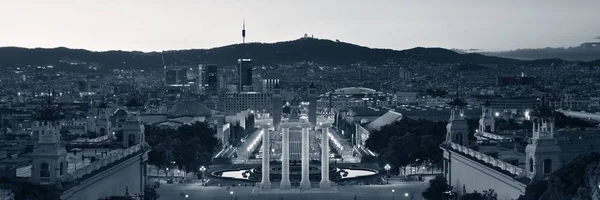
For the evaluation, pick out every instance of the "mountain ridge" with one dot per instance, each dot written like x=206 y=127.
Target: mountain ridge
x=305 y=49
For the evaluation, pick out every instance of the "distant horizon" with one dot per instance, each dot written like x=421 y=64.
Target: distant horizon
x=468 y=50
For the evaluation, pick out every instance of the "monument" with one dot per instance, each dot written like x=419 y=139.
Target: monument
x=289 y=128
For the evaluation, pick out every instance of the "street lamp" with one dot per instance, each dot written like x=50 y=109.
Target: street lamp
x=393 y=193
x=202 y=169
x=231 y=195
x=406 y=195
x=186 y=196
x=387 y=168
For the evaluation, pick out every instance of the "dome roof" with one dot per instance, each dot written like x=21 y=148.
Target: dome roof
x=354 y=90
x=190 y=108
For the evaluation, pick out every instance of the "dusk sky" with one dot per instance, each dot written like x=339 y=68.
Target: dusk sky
x=155 y=25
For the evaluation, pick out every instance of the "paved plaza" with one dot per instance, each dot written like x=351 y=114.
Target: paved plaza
x=195 y=191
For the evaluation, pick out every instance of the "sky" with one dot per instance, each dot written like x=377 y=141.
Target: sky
x=156 y=25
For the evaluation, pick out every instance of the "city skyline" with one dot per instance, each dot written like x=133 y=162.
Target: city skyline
x=183 y=24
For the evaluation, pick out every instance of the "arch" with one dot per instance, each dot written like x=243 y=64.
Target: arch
x=547 y=166
x=459 y=138
x=488 y=128
x=531 y=165
x=103 y=131
x=131 y=139
x=44 y=170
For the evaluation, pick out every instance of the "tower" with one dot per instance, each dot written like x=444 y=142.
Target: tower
x=542 y=153
x=457 y=130
x=277 y=106
x=312 y=106
x=486 y=122
x=49 y=158
x=244 y=32
x=102 y=119
x=133 y=129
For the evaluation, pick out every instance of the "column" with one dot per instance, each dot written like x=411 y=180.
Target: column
x=305 y=182
x=285 y=157
x=265 y=183
x=325 y=158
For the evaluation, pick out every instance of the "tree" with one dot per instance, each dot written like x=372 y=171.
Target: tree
x=572 y=180
x=198 y=146
x=6 y=194
x=402 y=151
x=534 y=190
x=159 y=156
x=490 y=194
x=150 y=193
x=472 y=196
x=436 y=189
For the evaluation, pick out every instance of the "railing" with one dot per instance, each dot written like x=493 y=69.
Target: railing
x=491 y=135
x=488 y=159
x=102 y=162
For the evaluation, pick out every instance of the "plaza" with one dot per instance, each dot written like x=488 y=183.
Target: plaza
x=196 y=191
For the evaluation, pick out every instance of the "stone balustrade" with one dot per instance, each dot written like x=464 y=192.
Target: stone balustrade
x=488 y=159
x=102 y=162
x=492 y=136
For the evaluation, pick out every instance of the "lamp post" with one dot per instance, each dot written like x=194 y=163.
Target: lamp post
x=173 y=164
x=393 y=193
x=186 y=196
x=202 y=169
x=406 y=195
x=231 y=195
x=387 y=168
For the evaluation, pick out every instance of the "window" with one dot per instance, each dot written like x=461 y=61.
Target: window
x=531 y=165
x=547 y=166
x=62 y=168
x=44 y=170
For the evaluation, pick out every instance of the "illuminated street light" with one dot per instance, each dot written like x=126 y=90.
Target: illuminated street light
x=406 y=194
x=393 y=194
x=387 y=168
x=497 y=114
x=202 y=169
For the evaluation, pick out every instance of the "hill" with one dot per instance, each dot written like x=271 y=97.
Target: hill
x=306 y=49
x=584 y=52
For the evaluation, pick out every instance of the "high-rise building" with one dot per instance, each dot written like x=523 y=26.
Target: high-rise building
x=312 y=106
x=277 y=105
x=210 y=80
x=245 y=75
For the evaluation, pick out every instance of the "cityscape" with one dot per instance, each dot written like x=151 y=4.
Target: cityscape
x=311 y=117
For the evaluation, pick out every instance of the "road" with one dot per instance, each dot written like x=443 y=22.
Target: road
x=194 y=191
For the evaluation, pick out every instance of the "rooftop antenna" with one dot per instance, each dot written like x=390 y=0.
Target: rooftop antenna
x=243 y=31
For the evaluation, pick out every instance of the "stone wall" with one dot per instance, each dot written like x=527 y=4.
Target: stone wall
x=129 y=173
x=475 y=175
